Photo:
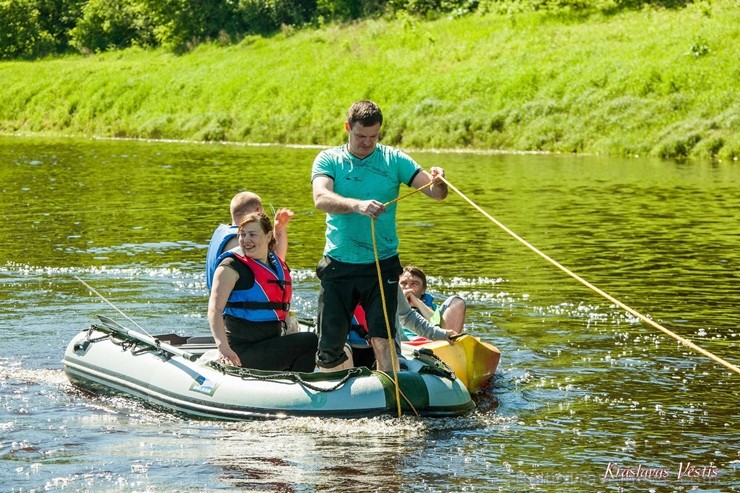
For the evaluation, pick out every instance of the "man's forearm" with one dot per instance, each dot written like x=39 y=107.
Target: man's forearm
x=334 y=203
x=438 y=191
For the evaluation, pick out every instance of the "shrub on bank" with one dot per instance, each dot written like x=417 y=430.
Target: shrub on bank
x=38 y=28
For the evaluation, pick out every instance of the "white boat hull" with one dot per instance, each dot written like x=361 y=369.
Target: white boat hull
x=98 y=360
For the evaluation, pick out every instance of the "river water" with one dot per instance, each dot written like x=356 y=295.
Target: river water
x=586 y=398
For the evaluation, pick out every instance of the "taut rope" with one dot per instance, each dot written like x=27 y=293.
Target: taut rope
x=391 y=340
x=609 y=297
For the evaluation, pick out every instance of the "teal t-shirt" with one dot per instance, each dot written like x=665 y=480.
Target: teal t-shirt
x=378 y=177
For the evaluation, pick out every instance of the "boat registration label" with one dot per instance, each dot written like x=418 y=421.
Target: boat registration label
x=204 y=386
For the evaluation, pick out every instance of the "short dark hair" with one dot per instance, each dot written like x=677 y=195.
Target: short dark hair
x=417 y=272
x=366 y=113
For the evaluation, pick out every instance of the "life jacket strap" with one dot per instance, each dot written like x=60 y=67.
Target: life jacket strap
x=259 y=305
x=282 y=283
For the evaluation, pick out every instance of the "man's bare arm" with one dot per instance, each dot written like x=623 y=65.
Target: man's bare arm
x=438 y=189
x=327 y=200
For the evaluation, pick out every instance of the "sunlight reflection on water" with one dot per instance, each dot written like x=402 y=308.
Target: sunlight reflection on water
x=581 y=384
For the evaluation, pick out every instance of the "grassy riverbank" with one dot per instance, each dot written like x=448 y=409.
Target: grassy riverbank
x=654 y=82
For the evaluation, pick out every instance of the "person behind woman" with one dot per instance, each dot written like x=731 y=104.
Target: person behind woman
x=249 y=303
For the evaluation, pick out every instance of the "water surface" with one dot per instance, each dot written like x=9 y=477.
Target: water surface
x=585 y=397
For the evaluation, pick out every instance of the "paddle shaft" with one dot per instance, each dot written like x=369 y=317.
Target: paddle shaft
x=114 y=327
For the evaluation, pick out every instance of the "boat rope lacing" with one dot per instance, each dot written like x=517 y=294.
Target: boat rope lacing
x=634 y=312
x=95 y=328
x=247 y=374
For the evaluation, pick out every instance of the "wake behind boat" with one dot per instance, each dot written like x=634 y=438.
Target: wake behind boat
x=171 y=372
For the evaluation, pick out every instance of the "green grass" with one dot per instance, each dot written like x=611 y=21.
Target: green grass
x=654 y=82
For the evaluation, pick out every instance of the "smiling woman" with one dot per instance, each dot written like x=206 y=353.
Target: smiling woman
x=250 y=302
x=256 y=237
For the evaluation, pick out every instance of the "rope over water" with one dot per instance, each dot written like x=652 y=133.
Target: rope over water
x=112 y=305
x=609 y=297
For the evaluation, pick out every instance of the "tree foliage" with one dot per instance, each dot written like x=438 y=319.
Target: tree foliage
x=112 y=24
x=21 y=32
x=37 y=28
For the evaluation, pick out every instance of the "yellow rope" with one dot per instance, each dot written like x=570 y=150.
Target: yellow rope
x=391 y=340
x=634 y=312
x=408 y=401
x=409 y=194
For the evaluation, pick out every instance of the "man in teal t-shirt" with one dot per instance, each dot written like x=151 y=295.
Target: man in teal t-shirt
x=352 y=183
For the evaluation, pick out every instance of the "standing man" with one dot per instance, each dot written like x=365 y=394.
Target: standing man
x=351 y=183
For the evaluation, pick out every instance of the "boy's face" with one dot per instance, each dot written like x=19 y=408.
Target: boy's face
x=408 y=282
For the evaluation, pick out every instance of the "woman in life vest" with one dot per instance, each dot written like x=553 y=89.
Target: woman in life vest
x=249 y=303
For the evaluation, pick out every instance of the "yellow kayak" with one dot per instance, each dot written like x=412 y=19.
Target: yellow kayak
x=473 y=361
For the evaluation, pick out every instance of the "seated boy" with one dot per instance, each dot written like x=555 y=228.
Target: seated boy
x=450 y=315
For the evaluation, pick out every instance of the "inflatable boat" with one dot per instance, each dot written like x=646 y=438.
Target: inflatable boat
x=175 y=373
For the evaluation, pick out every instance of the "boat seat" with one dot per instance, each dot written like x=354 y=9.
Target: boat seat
x=171 y=339
x=198 y=344
x=200 y=340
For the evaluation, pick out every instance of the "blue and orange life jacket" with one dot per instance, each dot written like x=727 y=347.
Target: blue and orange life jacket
x=269 y=298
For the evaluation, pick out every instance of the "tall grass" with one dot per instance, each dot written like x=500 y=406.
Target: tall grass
x=651 y=82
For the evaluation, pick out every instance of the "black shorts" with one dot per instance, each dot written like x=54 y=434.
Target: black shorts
x=343 y=287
